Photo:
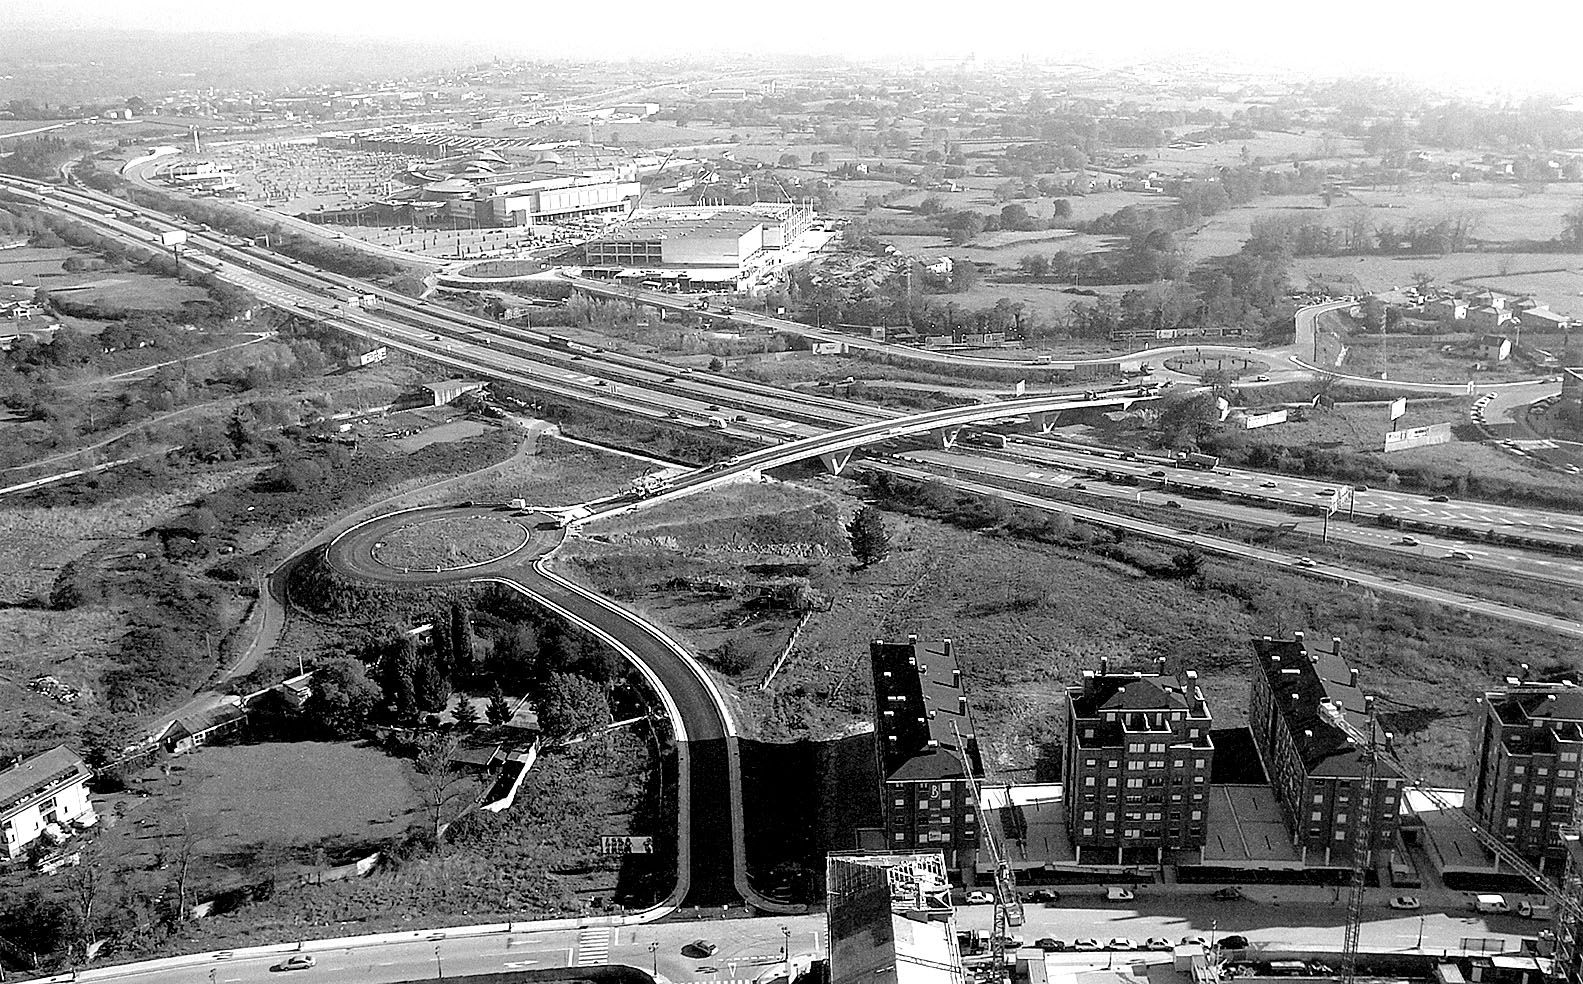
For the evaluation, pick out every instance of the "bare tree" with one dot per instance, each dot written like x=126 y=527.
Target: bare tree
x=441 y=785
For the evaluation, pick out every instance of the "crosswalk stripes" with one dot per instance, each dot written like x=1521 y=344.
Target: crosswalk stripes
x=593 y=946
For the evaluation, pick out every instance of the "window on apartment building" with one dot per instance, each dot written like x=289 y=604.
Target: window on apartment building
x=1088 y=780
x=1134 y=783
x=1091 y=762
x=1541 y=770
x=1088 y=831
x=1566 y=773
x=1569 y=756
x=1151 y=816
x=1317 y=815
x=1341 y=835
x=1088 y=814
x=1088 y=732
x=1132 y=832
x=1511 y=822
x=1133 y=798
x=1198 y=763
x=1319 y=797
x=1563 y=792
x=1157 y=763
x=1176 y=797
x=901 y=801
x=1517 y=787
x=900 y=836
x=1540 y=790
x=1134 y=766
x=1538 y=807
x=1198 y=814
x=1518 y=770
x=1178 y=763
x=1197 y=795
x=1341 y=818
x=1110 y=816
x=1112 y=762
x=1536 y=823
x=1111 y=782
x=1157 y=748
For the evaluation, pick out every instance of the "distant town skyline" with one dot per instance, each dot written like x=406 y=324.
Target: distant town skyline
x=1460 y=44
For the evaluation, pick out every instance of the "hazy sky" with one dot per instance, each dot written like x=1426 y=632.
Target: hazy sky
x=1515 y=44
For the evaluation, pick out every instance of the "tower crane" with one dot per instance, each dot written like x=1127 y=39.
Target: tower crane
x=1566 y=899
x=1008 y=906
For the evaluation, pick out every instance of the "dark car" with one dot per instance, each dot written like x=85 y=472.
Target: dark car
x=1230 y=893
x=699 y=948
x=1172 y=504
x=1440 y=498
x=1232 y=942
x=1043 y=895
x=1049 y=944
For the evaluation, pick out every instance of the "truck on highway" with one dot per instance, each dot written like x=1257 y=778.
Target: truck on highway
x=718 y=423
x=1195 y=459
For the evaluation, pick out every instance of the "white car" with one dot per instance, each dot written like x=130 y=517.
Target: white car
x=1120 y=943
x=1119 y=895
x=979 y=898
x=1406 y=902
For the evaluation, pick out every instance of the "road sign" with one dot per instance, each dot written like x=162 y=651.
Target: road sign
x=1398 y=407
x=626 y=845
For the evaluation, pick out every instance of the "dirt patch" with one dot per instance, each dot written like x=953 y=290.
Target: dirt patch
x=456 y=430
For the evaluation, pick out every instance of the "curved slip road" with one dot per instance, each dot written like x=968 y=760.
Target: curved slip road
x=710 y=848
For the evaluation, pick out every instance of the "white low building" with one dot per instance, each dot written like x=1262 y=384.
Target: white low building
x=47 y=793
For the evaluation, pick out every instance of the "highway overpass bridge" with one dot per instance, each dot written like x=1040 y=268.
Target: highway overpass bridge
x=835 y=449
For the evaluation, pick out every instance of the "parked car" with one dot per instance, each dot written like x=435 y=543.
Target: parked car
x=1157 y=943
x=1232 y=942
x=1120 y=943
x=1044 y=895
x=1230 y=893
x=699 y=948
x=1012 y=943
x=1190 y=940
x=1119 y=895
x=1406 y=902
x=1086 y=944
x=979 y=898
x=301 y=961
x=1049 y=944
x=1533 y=910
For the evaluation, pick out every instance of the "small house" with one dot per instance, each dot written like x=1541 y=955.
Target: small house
x=203 y=727
x=43 y=796
x=1493 y=348
x=1484 y=318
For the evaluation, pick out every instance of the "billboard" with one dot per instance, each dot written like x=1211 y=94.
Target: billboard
x=626 y=845
x=174 y=237
x=1418 y=437
x=1222 y=406
x=1021 y=387
x=377 y=355
x=1398 y=407
x=1252 y=420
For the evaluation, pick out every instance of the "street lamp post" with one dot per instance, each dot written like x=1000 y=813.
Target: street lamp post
x=1214 y=924
x=654 y=956
x=438 y=966
x=786 y=953
x=1420 y=945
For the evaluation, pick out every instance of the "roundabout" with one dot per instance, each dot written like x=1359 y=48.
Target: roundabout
x=449 y=543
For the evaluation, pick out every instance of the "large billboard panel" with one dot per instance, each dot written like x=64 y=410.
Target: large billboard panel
x=1418 y=437
x=1253 y=420
x=1398 y=407
x=175 y=237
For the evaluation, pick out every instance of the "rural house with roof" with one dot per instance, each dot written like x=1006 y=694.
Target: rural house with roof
x=926 y=743
x=49 y=790
x=1315 y=766
x=1138 y=761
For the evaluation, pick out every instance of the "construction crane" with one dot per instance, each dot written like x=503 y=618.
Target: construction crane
x=1567 y=902
x=1008 y=906
x=1362 y=847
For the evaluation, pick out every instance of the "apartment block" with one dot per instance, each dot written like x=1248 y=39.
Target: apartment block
x=1523 y=782
x=1138 y=760
x=1301 y=690
x=926 y=745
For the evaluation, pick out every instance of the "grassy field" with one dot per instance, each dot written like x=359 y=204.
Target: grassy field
x=538 y=858
x=130 y=291
x=558 y=474
x=256 y=810
x=1028 y=618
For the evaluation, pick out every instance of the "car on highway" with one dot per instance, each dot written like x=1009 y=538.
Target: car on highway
x=1306 y=562
x=1407 y=541
x=1440 y=498
x=699 y=948
x=1086 y=944
x=1120 y=943
x=1079 y=486
x=1049 y=944
x=1172 y=504
x=1157 y=474
x=979 y=898
x=1326 y=492
x=301 y=961
x=1408 y=902
x=1157 y=943
x=1268 y=485
x=1119 y=895
x=1459 y=555
x=1232 y=942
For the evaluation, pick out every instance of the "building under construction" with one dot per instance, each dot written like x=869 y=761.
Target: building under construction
x=891 y=920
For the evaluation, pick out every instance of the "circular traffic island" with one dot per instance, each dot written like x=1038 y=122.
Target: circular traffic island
x=449 y=543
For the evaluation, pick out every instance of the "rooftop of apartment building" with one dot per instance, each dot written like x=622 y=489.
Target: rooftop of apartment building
x=1136 y=701
x=1537 y=713
x=35 y=776
x=924 y=724
x=1312 y=685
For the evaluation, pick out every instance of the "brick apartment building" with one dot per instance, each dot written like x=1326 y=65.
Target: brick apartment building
x=1524 y=776
x=921 y=708
x=1138 y=759
x=1317 y=768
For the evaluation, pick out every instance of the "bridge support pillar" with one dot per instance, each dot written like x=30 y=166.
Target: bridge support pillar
x=835 y=461
x=947 y=436
x=1045 y=420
